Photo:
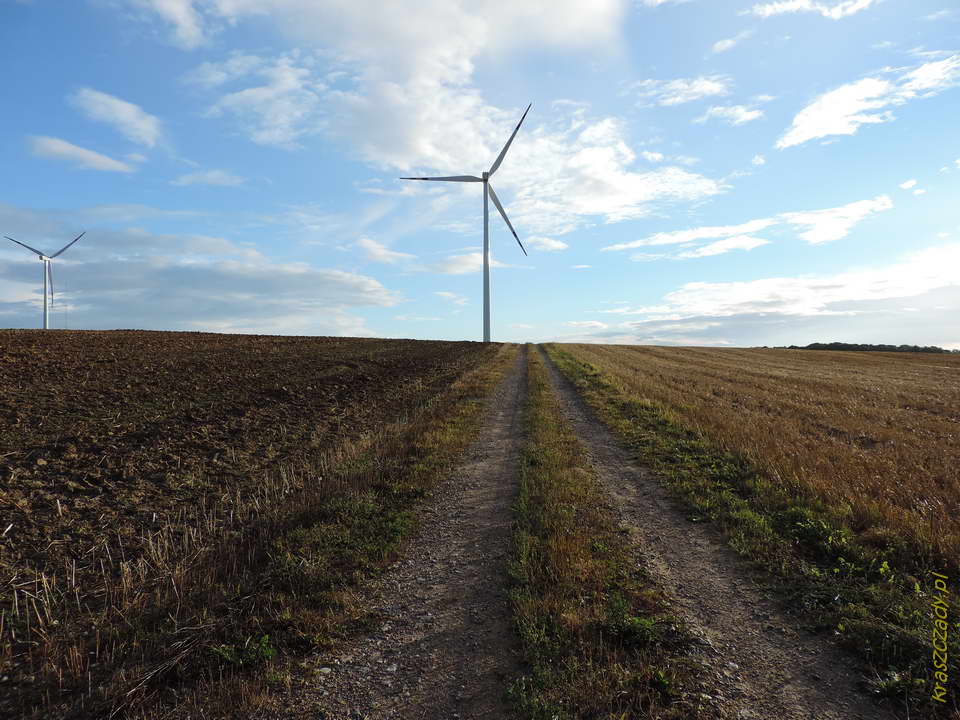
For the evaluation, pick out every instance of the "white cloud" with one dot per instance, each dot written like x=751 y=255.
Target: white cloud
x=759 y=160
x=214 y=74
x=653 y=157
x=186 y=20
x=815 y=226
x=844 y=110
x=58 y=149
x=546 y=243
x=282 y=110
x=739 y=242
x=521 y=326
x=587 y=324
x=408 y=103
x=920 y=191
x=209 y=177
x=701 y=233
x=912 y=300
x=129 y=119
x=452 y=297
x=731 y=114
x=834 y=11
x=463 y=264
x=580 y=267
x=682 y=90
x=908 y=184
x=940 y=15
x=835 y=223
x=729 y=43
x=923 y=271
x=377 y=252
x=136 y=157
x=562 y=178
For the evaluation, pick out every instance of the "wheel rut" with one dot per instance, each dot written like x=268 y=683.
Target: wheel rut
x=444 y=647
x=762 y=666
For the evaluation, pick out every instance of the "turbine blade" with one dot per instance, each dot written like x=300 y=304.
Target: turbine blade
x=496 y=201
x=451 y=178
x=496 y=164
x=50 y=279
x=69 y=244
x=26 y=246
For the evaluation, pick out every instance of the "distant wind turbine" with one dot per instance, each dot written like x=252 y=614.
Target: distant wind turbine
x=487 y=190
x=47 y=261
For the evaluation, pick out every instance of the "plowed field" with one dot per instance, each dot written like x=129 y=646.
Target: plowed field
x=108 y=438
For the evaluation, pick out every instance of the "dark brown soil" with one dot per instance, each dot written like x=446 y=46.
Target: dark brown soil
x=110 y=441
x=116 y=430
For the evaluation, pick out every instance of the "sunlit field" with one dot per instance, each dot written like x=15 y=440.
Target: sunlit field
x=874 y=434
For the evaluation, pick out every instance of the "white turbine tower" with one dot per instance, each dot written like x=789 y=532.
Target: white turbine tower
x=47 y=272
x=487 y=190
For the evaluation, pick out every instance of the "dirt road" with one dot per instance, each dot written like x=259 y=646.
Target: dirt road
x=444 y=647
x=766 y=667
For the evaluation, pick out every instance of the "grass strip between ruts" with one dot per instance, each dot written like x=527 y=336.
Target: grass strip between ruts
x=596 y=635
x=830 y=580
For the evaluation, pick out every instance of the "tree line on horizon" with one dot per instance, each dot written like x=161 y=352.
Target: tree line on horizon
x=873 y=347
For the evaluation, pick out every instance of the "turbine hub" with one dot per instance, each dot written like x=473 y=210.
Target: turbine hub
x=485 y=176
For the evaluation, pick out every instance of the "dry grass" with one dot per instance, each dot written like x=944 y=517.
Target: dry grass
x=874 y=435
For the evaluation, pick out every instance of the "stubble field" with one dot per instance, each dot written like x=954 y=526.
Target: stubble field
x=874 y=435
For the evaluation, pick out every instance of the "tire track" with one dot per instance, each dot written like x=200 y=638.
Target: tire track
x=765 y=667
x=445 y=646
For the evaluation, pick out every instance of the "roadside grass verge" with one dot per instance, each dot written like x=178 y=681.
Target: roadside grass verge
x=597 y=636
x=211 y=619
x=868 y=593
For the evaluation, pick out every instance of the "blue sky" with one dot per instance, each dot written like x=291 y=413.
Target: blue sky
x=692 y=172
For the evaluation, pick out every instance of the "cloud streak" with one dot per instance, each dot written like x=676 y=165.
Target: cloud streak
x=869 y=101
x=81 y=158
x=682 y=90
x=209 y=177
x=128 y=119
x=813 y=226
x=835 y=11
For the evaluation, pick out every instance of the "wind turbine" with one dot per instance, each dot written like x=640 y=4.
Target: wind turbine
x=47 y=271
x=487 y=191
